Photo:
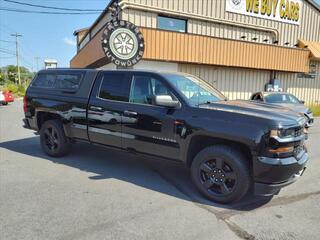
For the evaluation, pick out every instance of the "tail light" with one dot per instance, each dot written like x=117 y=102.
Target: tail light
x=25 y=104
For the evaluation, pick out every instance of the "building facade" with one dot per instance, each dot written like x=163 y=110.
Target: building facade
x=237 y=46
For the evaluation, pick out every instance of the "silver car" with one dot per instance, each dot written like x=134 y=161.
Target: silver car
x=286 y=100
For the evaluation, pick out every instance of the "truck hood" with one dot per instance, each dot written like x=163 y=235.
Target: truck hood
x=280 y=115
x=295 y=107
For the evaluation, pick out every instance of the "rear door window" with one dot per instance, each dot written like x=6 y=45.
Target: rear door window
x=58 y=81
x=115 y=87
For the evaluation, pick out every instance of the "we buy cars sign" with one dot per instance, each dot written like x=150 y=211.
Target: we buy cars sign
x=286 y=11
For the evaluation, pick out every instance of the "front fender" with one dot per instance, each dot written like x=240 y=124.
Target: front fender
x=244 y=133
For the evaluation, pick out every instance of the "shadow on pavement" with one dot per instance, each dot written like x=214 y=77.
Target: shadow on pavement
x=135 y=169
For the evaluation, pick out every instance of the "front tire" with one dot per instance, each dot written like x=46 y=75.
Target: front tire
x=53 y=139
x=221 y=173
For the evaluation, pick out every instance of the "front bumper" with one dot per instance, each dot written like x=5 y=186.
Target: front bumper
x=271 y=174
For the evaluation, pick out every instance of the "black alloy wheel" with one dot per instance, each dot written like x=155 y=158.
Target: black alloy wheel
x=217 y=176
x=53 y=139
x=221 y=173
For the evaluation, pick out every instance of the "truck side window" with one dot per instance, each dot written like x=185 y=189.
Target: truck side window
x=58 y=81
x=44 y=81
x=144 y=88
x=68 y=81
x=115 y=86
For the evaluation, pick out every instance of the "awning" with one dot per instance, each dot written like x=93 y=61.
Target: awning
x=178 y=47
x=199 y=49
x=314 y=48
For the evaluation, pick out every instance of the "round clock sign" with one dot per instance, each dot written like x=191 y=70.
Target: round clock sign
x=123 y=43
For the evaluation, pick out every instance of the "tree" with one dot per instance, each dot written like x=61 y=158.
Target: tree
x=2 y=76
x=10 y=74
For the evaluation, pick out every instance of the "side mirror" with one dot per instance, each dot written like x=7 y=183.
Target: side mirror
x=302 y=102
x=166 y=101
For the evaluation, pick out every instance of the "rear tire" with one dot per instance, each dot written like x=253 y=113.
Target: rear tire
x=5 y=103
x=53 y=139
x=221 y=173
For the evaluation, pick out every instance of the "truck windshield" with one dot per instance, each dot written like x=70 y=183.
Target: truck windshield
x=196 y=90
x=281 y=98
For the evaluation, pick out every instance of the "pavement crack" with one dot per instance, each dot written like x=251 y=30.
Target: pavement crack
x=237 y=230
x=240 y=232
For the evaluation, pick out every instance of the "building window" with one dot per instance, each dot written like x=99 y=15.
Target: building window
x=312 y=72
x=172 y=24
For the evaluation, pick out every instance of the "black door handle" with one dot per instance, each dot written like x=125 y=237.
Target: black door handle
x=98 y=109
x=130 y=113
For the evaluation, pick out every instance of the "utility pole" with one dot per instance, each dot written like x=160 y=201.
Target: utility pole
x=17 y=54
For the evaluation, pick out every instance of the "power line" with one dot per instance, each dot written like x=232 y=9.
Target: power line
x=7 y=28
x=6 y=52
x=46 y=12
x=26 y=61
x=22 y=49
x=56 y=8
x=6 y=57
x=25 y=46
x=6 y=41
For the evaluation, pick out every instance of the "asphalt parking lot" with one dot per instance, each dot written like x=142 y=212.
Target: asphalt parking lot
x=96 y=193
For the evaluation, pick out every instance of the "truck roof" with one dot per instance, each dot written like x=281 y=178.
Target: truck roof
x=96 y=71
x=107 y=70
x=89 y=76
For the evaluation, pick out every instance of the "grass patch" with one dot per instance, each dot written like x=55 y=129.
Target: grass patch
x=316 y=110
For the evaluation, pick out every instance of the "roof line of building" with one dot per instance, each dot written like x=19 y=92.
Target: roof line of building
x=312 y=2
x=80 y=30
x=105 y=11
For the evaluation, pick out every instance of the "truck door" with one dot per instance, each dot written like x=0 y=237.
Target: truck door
x=147 y=128
x=106 y=107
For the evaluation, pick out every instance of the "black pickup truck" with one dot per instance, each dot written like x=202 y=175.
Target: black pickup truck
x=231 y=147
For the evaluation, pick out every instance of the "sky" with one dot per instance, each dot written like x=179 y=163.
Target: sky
x=44 y=36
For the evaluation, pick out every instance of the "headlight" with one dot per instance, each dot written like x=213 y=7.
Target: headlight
x=283 y=133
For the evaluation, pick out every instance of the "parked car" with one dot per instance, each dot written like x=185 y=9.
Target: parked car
x=230 y=147
x=286 y=100
x=1 y=98
x=6 y=98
